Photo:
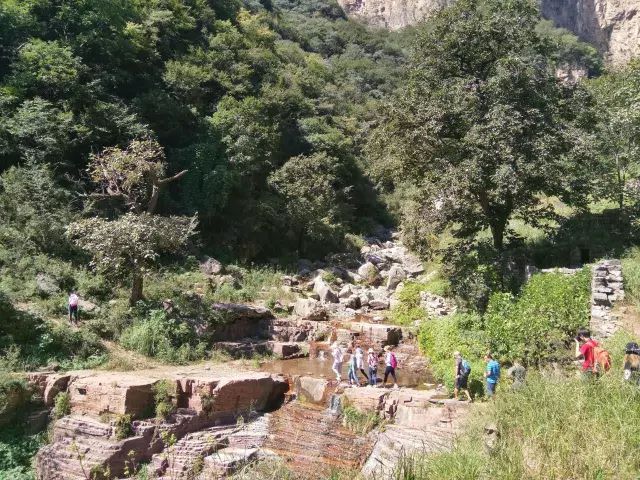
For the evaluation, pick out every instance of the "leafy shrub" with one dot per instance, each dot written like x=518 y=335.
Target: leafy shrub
x=631 y=273
x=163 y=393
x=39 y=343
x=551 y=428
x=62 y=405
x=408 y=309
x=167 y=339
x=535 y=325
x=17 y=450
x=438 y=339
x=123 y=427
x=359 y=422
x=14 y=397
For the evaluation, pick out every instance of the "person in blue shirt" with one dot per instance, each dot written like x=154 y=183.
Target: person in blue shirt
x=491 y=374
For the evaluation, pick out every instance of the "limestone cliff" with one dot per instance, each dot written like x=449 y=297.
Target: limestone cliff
x=611 y=25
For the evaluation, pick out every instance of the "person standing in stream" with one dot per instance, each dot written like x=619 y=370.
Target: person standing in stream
x=391 y=363
x=372 y=362
x=360 y=361
x=338 y=358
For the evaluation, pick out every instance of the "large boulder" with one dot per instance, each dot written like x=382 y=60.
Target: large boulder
x=395 y=277
x=310 y=309
x=324 y=291
x=211 y=267
x=311 y=389
x=369 y=273
x=240 y=321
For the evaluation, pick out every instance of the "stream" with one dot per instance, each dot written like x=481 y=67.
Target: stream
x=321 y=367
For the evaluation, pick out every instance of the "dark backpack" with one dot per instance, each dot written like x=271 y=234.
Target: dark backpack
x=632 y=348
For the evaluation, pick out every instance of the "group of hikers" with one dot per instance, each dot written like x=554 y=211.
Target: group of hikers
x=357 y=362
x=594 y=359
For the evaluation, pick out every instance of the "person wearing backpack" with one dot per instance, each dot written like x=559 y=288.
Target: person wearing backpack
x=595 y=359
x=462 y=372
x=391 y=363
x=491 y=374
x=631 y=363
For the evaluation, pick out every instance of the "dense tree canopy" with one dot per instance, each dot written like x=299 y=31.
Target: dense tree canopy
x=230 y=90
x=483 y=127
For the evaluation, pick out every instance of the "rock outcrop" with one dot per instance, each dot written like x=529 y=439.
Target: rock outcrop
x=88 y=440
x=613 y=26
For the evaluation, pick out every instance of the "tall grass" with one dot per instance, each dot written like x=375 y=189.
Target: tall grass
x=554 y=428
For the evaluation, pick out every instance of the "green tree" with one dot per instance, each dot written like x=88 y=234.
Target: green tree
x=617 y=136
x=483 y=127
x=128 y=247
x=315 y=196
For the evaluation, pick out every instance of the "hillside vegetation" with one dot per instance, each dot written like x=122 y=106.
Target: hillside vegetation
x=138 y=138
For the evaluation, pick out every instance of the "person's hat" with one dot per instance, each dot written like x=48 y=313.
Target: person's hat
x=370 y=350
x=456 y=354
x=387 y=348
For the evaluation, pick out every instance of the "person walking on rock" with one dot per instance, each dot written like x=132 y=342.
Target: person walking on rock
x=372 y=362
x=73 y=307
x=338 y=357
x=462 y=372
x=360 y=362
x=391 y=363
x=491 y=374
x=353 y=366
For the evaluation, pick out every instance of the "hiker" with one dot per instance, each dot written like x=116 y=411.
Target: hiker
x=73 y=307
x=353 y=366
x=631 y=363
x=391 y=363
x=360 y=361
x=491 y=374
x=338 y=357
x=372 y=362
x=595 y=359
x=462 y=372
x=517 y=374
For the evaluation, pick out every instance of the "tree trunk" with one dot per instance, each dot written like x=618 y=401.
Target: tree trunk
x=136 y=288
x=497 y=232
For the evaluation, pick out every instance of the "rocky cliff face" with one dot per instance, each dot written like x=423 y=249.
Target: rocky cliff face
x=611 y=25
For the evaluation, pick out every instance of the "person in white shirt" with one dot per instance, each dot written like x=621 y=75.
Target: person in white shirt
x=338 y=358
x=73 y=307
x=360 y=362
x=391 y=363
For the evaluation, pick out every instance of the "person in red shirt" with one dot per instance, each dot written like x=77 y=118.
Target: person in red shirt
x=585 y=346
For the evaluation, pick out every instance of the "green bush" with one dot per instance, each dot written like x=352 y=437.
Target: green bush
x=631 y=273
x=535 y=325
x=438 y=339
x=14 y=397
x=167 y=339
x=553 y=428
x=123 y=427
x=163 y=393
x=359 y=422
x=408 y=309
x=62 y=405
